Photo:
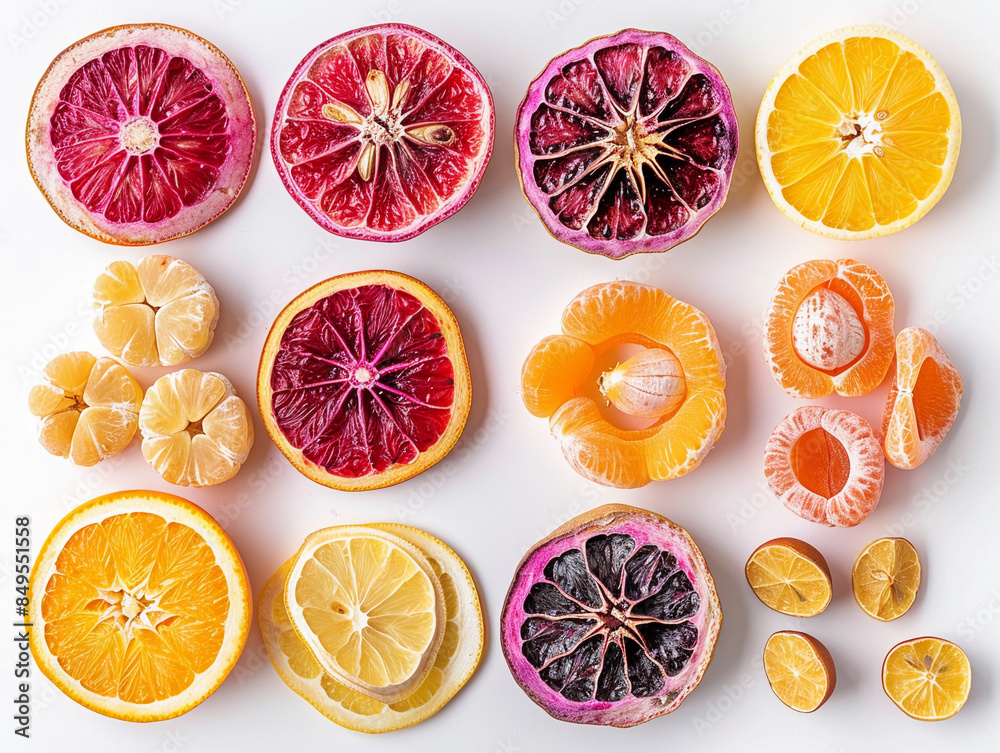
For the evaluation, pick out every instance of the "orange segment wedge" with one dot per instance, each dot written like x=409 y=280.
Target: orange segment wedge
x=89 y=407
x=886 y=577
x=790 y=576
x=927 y=678
x=923 y=402
x=554 y=383
x=799 y=670
x=829 y=328
x=858 y=134
x=140 y=605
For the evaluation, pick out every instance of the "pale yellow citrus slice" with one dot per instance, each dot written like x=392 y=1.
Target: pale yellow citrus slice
x=858 y=134
x=790 y=577
x=886 y=577
x=140 y=605
x=195 y=430
x=160 y=312
x=369 y=607
x=799 y=670
x=457 y=657
x=927 y=678
x=89 y=407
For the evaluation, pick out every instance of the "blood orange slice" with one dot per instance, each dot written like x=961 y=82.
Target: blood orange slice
x=626 y=144
x=363 y=382
x=382 y=132
x=140 y=133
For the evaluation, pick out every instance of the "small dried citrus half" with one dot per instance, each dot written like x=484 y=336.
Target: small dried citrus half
x=140 y=605
x=159 y=312
x=363 y=381
x=829 y=328
x=89 y=407
x=790 y=576
x=927 y=678
x=799 y=670
x=858 y=134
x=555 y=375
x=886 y=577
x=195 y=430
x=457 y=657
x=923 y=401
x=825 y=465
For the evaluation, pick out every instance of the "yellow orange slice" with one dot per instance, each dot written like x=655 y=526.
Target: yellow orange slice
x=886 y=577
x=858 y=134
x=140 y=605
x=457 y=658
x=923 y=402
x=799 y=670
x=195 y=430
x=790 y=576
x=927 y=678
x=368 y=606
x=160 y=312
x=89 y=407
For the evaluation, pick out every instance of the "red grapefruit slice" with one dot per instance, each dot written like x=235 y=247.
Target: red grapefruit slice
x=382 y=132
x=140 y=134
x=363 y=382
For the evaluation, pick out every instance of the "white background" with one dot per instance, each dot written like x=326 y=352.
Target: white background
x=507 y=282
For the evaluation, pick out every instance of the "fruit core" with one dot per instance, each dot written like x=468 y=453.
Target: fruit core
x=139 y=135
x=652 y=380
x=861 y=134
x=821 y=463
x=827 y=332
x=610 y=620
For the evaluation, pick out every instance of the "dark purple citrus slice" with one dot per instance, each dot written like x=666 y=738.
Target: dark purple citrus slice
x=141 y=133
x=627 y=144
x=363 y=382
x=612 y=619
x=382 y=132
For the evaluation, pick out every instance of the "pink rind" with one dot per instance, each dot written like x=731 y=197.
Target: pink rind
x=364 y=233
x=618 y=249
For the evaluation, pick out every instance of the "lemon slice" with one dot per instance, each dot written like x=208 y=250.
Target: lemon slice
x=927 y=678
x=457 y=658
x=886 y=577
x=369 y=607
x=799 y=670
x=858 y=134
x=790 y=577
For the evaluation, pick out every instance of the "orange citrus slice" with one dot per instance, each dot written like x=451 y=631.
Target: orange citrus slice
x=555 y=384
x=140 y=606
x=195 y=430
x=89 y=407
x=923 y=401
x=790 y=576
x=858 y=134
x=456 y=659
x=799 y=670
x=363 y=381
x=160 y=312
x=829 y=328
x=886 y=577
x=927 y=678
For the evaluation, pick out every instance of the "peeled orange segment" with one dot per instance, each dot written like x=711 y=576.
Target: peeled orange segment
x=923 y=401
x=626 y=144
x=829 y=328
x=650 y=384
x=457 y=658
x=89 y=407
x=140 y=606
x=599 y=318
x=363 y=381
x=825 y=465
x=799 y=670
x=140 y=133
x=790 y=576
x=369 y=607
x=886 y=577
x=160 y=312
x=927 y=678
x=382 y=132
x=195 y=430
x=858 y=134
